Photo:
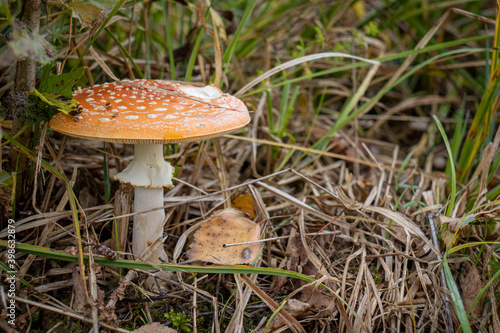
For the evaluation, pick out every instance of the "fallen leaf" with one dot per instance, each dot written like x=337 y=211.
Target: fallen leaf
x=471 y=286
x=80 y=298
x=154 y=328
x=298 y=261
x=223 y=228
x=244 y=203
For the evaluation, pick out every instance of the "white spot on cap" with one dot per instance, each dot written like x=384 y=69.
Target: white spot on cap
x=140 y=101
x=103 y=120
x=152 y=116
x=141 y=107
x=121 y=107
x=101 y=108
x=200 y=125
x=152 y=103
x=131 y=117
x=89 y=99
x=111 y=97
x=178 y=107
x=118 y=101
x=169 y=116
x=161 y=109
x=205 y=92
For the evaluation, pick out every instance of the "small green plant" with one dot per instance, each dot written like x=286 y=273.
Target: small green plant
x=372 y=29
x=179 y=320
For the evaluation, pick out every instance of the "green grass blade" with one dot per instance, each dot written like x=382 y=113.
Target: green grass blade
x=289 y=111
x=456 y=298
x=194 y=54
x=285 y=95
x=348 y=113
x=484 y=290
x=71 y=195
x=115 y=9
x=129 y=264
x=460 y=247
x=453 y=180
x=274 y=315
x=387 y=58
x=479 y=130
x=270 y=115
x=228 y=55
x=125 y=52
x=107 y=181
x=458 y=137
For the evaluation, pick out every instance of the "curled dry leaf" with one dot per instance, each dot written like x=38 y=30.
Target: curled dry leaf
x=222 y=228
x=244 y=203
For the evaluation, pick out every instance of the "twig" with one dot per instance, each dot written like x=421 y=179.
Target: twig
x=281 y=237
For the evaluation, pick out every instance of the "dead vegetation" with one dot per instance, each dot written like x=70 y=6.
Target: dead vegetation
x=366 y=225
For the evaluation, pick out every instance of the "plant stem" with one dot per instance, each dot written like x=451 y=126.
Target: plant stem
x=24 y=81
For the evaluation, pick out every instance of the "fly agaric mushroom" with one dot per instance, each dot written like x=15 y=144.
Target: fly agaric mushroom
x=148 y=114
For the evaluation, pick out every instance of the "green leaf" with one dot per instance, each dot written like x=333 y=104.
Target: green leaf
x=5 y=11
x=85 y=12
x=5 y=179
x=104 y=4
x=61 y=84
x=60 y=102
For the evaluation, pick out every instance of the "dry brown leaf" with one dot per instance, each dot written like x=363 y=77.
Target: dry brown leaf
x=154 y=328
x=318 y=300
x=471 y=286
x=80 y=299
x=244 y=203
x=226 y=227
x=298 y=261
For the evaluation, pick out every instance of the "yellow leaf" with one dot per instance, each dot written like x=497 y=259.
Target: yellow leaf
x=244 y=203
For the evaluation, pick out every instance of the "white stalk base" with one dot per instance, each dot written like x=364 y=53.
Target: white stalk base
x=148 y=227
x=148 y=168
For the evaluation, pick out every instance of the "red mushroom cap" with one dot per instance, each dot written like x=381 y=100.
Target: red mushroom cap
x=152 y=111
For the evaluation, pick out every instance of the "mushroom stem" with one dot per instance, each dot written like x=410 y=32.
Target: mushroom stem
x=148 y=168
x=148 y=227
x=149 y=174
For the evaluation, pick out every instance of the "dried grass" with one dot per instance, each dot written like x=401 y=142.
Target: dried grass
x=362 y=214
